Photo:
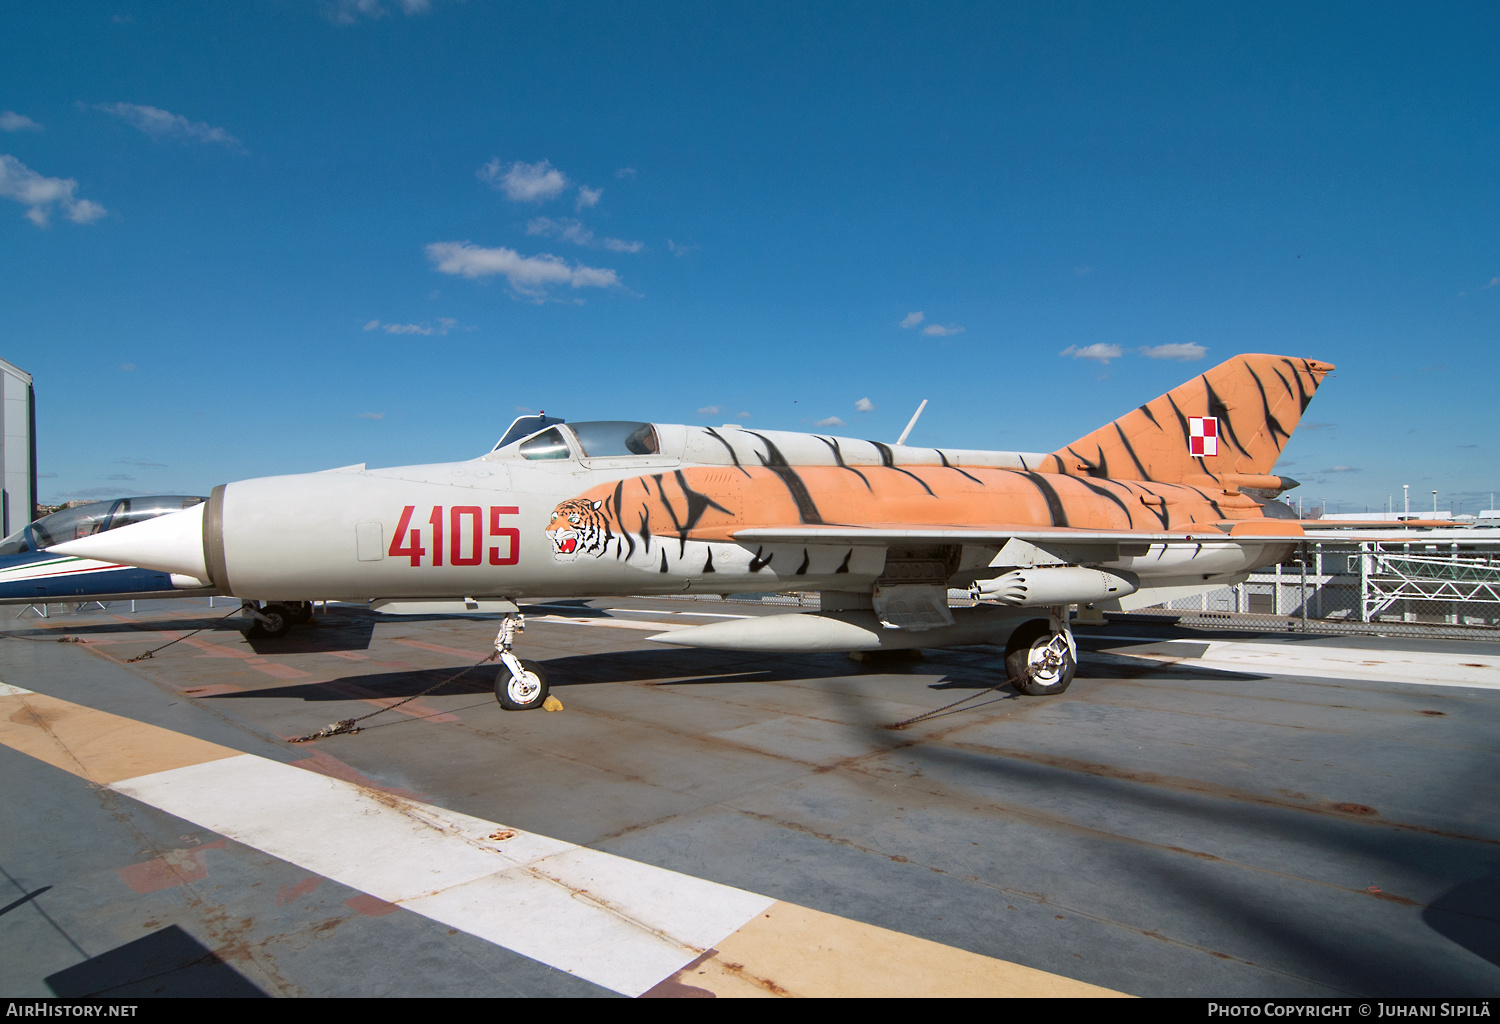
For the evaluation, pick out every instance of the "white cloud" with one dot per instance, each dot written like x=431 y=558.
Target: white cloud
x=742 y=415
x=158 y=123
x=942 y=330
x=1341 y=469
x=625 y=172
x=832 y=421
x=588 y=197
x=864 y=405
x=127 y=367
x=678 y=249
x=709 y=410
x=1184 y=352
x=570 y=230
x=1098 y=352
x=443 y=326
x=347 y=12
x=39 y=193
x=10 y=121
x=522 y=182
x=370 y=416
x=1083 y=271
x=529 y=276
x=912 y=319
x=1493 y=281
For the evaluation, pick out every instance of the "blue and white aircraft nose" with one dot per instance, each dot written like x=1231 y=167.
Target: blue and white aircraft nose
x=171 y=543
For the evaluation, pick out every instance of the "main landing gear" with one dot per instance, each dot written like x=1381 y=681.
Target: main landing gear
x=1040 y=657
x=519 y=685
x=274 y=619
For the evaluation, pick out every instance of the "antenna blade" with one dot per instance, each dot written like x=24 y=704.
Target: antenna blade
x=907 y=432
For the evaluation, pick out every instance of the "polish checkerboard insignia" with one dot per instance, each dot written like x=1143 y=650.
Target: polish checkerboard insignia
x=1203 y=435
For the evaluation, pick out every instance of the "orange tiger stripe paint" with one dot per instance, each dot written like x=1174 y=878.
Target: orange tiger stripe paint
x=1258 y=399
x=1152 y=481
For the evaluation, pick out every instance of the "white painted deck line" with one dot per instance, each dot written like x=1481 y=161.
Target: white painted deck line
x=612 y=921
x=7 y=690
x=1417 y=667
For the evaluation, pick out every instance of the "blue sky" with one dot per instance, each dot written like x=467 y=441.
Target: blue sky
x=267 y=237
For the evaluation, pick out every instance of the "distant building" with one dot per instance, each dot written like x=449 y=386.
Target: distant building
x=1389 y=517
x=17 y=449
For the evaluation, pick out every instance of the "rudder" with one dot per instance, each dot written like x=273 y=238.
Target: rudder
x=1242 y=412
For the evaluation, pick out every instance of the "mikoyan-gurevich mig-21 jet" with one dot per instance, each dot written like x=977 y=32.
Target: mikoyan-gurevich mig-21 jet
x=1172 y=499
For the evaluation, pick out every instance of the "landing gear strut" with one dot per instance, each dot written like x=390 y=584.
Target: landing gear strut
x=268 y=621
x=1040 y=657
x=519 y=685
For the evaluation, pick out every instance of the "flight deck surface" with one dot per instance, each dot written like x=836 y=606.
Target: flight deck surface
x=1200 y=814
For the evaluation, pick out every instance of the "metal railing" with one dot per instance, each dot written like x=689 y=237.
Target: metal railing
x=1417 y=587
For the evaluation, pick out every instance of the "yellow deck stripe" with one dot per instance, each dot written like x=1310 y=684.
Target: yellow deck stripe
x=96 y=745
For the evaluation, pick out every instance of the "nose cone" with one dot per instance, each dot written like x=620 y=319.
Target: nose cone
x=171 y=543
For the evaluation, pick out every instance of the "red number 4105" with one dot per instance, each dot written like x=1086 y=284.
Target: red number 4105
x=466 y=536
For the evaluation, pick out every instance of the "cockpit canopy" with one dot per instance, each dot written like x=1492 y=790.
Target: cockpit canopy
x=95 y=517
x=521 y=426
x=595 y=439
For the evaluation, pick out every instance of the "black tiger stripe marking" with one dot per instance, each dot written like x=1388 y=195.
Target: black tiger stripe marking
x=728 y=447
x=1211 y=503
x=1130 y=450
x=949 y=465
x=1105 y=492
x=1265 y=403
x=1216 y=407
x=888 y=460
x=806 y=561
x=619 y=500
x=1054 y=503
x=697 y=504
x=776 y=463
x=1160 y=515
x=757 y=563
x=838 y=457
x=708 y=563
x=844 y=565
x=663 y=559
x=1302 y=395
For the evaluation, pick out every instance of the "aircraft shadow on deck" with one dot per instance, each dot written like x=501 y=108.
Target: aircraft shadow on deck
x=344 y=633
x=168 y=962
x=1469 y=914
x=1307 y=948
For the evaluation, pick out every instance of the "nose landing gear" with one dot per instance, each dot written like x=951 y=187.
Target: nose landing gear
x=274 y=619
x=519 y=685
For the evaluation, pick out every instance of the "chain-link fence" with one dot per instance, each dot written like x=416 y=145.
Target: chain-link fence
x=1445 y=588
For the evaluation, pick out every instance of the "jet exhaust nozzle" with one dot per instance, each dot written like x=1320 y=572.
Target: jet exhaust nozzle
x=1069 y=584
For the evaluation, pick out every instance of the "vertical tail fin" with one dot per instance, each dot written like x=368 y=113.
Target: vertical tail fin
x=1232 y=420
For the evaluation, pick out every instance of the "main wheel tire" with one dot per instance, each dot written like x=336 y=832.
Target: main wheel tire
x=280 y=623
x=525 y=693
x=1024 y=649
x=302 y=611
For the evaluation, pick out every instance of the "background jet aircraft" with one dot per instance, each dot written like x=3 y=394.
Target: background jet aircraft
x=1171 y=499
x=31 y=575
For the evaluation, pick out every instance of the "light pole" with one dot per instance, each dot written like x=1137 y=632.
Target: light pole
x=1406 y=497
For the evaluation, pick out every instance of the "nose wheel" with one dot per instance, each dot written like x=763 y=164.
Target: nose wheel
x=523 y=690
x=519 y=685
